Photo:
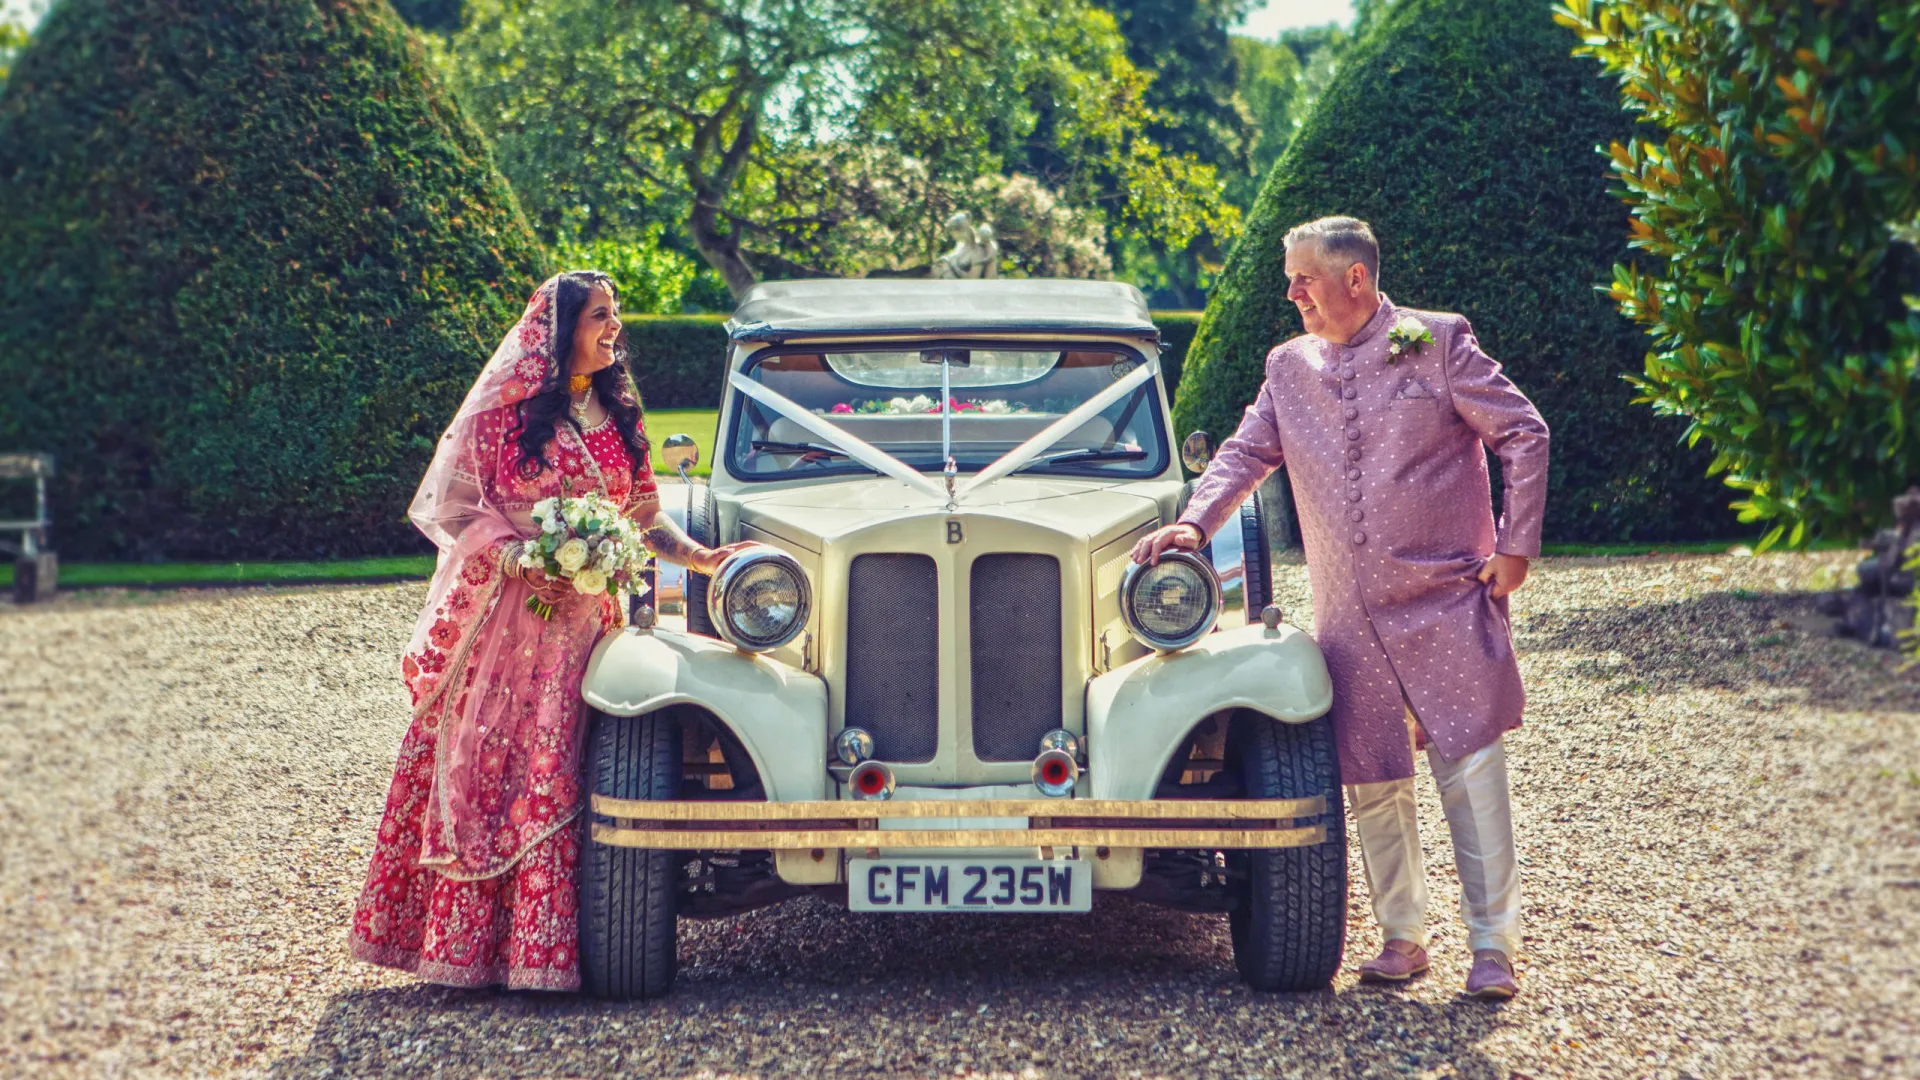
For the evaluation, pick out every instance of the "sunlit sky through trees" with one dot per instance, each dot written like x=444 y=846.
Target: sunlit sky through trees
x=1268 y=19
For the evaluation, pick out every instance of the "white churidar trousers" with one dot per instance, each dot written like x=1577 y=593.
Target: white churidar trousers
x=1473 y=791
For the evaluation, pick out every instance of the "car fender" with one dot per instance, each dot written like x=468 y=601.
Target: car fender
x=1139 y=714
x=778 y=712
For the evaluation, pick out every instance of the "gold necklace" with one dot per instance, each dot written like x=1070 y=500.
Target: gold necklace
x=580 y=384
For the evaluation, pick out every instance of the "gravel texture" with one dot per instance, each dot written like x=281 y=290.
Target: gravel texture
x=1717 y=805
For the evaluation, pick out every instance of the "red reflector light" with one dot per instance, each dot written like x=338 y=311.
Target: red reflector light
x=1054 y=772
x=871 y=781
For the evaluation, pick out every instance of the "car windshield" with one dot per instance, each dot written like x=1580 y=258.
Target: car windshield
x=1000 y=398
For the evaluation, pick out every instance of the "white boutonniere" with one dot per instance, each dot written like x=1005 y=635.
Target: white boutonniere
x=1407 y=337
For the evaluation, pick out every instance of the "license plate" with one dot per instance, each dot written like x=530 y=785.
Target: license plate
x=989 y=885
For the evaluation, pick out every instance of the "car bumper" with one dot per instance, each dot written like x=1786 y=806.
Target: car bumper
x=813 y=826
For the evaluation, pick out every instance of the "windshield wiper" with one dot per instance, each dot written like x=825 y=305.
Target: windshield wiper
x=1075 y=457
x=797 y=448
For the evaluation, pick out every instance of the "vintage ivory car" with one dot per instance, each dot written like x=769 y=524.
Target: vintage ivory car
x=941 y=685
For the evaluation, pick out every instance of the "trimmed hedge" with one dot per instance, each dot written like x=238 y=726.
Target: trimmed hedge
x=251 y=257
x=1464 y=133
x=679 y=360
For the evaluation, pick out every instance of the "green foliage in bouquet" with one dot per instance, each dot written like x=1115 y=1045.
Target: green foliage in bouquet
x=1464 y=132
x=251 y=257
x=1781 y=298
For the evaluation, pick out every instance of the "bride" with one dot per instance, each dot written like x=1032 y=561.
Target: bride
x=472 y=877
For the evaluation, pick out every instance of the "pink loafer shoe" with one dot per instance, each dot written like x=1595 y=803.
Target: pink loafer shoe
x=1399 y=961
x=1492 y=976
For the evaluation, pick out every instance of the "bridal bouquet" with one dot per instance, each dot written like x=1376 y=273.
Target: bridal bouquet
x=586 y=540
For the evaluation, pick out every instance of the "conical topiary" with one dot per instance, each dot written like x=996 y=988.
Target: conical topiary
x=1464 y=132
x=251 y=255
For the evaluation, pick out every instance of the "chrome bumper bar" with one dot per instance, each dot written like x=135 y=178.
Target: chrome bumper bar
x=1160 y=823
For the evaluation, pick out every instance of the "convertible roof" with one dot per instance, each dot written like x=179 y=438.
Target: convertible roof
x=782 y=310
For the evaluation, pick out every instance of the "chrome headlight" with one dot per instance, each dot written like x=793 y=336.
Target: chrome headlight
x=759 y=599
x=1172 y=604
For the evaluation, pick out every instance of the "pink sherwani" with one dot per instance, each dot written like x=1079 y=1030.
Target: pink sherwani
x=1396 y=513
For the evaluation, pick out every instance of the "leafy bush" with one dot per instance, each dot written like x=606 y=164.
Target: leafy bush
x=251 y=257
x=1464 y=132
x=1781 y=299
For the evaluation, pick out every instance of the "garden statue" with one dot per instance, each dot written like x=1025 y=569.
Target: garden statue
x=975 y=253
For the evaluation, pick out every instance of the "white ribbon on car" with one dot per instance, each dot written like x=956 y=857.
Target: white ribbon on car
x=882 y=462
x=852 y=445
x=1023 y=455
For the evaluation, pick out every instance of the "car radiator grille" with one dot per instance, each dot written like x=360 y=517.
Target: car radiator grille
x=893 y=654
x=1014 y=607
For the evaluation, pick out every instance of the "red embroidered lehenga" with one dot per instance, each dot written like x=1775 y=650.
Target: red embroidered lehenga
x=472 y=877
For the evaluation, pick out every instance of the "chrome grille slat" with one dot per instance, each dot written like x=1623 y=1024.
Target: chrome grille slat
x=1014 y=608
x=893 y=654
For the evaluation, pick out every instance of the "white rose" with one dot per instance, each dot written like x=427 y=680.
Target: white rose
x=572 y=555
x=1412 y=327
x=590 y=581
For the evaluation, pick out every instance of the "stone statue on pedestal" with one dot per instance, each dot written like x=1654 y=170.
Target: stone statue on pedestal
x=975 y=254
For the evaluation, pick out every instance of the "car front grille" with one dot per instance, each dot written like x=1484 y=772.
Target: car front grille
x=893 y=654
x=1014 y=607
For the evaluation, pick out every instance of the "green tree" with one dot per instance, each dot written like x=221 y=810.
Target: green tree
x=1193 y=106
x=756 y=130
x=1780 y=298
x=1463 y=131
x=12 y=40
x=1270 y=82
x=251 y=256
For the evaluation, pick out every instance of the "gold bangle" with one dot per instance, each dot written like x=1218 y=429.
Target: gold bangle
x=510 y=560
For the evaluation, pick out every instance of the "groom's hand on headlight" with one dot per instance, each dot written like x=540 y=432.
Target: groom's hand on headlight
x=1182 y=537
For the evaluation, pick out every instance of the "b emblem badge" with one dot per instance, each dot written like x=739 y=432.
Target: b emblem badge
x=954 y=535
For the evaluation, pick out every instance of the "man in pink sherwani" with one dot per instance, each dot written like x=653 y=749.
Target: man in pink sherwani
x=1379 y=414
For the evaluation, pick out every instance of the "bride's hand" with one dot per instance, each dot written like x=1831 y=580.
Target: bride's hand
x=551 y=590
x=707 y=560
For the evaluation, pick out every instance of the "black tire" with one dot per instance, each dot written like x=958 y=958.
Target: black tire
x=1257 y=557
x=628 y=895
x=703 y=527
x=1290 y=930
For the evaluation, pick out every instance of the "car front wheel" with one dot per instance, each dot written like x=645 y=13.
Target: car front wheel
x=1290 y=929
x=628 y=895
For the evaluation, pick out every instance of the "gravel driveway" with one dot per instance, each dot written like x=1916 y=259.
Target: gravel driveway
x=1718 y=808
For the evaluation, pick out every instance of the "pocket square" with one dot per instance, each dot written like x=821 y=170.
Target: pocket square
x=1415 y=389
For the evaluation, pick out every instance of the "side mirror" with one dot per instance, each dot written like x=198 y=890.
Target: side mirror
x=1197 y=451
x=678 y=452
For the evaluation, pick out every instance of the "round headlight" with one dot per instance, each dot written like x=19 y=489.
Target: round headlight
x=759 y=599
x=1171 y=604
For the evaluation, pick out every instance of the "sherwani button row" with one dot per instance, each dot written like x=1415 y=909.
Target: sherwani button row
x=1353 y=494
x=1353 y=413
x=1359 y=537
x=1352 y=393
x=1347 y=373
x=1353 y=434
x=1355 y=514
x=1353 y=453
x=1353 y=474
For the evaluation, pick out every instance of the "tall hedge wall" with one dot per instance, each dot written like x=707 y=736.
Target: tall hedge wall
x=251 y=256
x=1465 y=134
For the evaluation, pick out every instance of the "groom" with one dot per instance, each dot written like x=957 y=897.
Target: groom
x=1380 y=414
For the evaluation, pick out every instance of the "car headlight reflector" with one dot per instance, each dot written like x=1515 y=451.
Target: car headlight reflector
x=1171 y=604
x=759 y=599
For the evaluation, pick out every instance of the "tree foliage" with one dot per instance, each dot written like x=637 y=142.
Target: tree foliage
x=12 y=40
x=1780 y=298
x=1463 y=131
x=251 y=256
x=768 y=135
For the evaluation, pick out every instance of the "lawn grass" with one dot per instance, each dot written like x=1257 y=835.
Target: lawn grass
x=147 y=575
x=699 y=423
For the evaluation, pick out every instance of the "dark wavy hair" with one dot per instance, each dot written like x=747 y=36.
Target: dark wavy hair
x=539 y=413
